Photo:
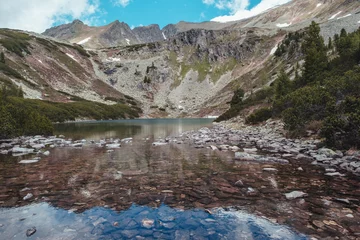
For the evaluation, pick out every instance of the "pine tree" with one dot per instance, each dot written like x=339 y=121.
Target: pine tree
x=315 y=55
x=7 y=123
x=330 y=45
x=282 y=84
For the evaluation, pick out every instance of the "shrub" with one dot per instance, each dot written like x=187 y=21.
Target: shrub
x=259 y=115
x=342 y=128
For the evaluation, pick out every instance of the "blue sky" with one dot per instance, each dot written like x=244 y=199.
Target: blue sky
x=163 y=12
x=38 y=15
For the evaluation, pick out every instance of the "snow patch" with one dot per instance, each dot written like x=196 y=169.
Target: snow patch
x=348 y=15
x=334 y=16
x=358 y=21
x=273 y=50
x=84 y=40
x=128 y=41
x=39 y=61
x=318 y=5
x=111 y=59
x=282 y=25
x=164 y=36
x=72 y=57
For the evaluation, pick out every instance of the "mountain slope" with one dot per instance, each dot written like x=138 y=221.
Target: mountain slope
x=185 y=69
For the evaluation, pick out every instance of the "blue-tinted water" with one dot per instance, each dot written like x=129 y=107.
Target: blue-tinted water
x=138 y=222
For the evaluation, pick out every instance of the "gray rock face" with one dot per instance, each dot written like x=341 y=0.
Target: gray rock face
x=148 y=34
x=65 y=31
x=118 y=34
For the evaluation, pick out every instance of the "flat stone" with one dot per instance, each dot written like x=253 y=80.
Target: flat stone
x=334 y=174
x=244 y=156
x=76 y=145
x=38 y=146
x=29 y=161
x=250 y=150
x=22 y=150
x=270 y=169
x=158 y=144
x=112 y=146
x=295 y=194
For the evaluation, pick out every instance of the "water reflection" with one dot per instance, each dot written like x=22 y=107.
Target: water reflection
x=156 y=128
x=138 y=221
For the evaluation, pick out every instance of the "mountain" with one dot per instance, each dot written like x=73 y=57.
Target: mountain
x=294 y=15
x=184 y=69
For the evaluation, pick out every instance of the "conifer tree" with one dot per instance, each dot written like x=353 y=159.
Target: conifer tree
x=330 y=45
x=282 y=84
x=315 y=55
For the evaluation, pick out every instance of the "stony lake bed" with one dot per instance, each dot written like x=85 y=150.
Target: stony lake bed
x=198 y=170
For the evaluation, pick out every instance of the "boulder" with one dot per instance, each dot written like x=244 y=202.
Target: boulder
x=327 y=152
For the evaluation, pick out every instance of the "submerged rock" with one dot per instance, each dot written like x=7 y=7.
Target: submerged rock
x=114 y=145
x=159 y=144
x=30 y=231
x=22 y=150
x=295 y=194
x=29 y=161
x=28 y=196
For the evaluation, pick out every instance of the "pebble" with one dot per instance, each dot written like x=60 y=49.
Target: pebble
x=147 y=223
x=30 y=231
x=28 y=196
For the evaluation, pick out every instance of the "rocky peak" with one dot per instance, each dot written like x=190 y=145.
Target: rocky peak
x=66 y=31
x=119 y=33
x=151 y=33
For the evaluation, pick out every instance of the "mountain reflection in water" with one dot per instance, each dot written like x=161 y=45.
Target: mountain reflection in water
x=149 y=223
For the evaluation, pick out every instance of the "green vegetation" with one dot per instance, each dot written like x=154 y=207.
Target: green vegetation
x=19 y=116
x=15 y=42
x=7 y=70
x=259 y=115
x=17 y=119
x=237 y=104
x=77 y=47
x=325 y=96
x=218 y=71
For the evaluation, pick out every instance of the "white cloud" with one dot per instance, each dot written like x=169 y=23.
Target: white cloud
x=38 y=15
x=239 y=8
x=208 y=2
x=122 y=3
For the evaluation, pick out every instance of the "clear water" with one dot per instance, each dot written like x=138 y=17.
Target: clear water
x=138 y=222
x=137 y=128
x=89 y=193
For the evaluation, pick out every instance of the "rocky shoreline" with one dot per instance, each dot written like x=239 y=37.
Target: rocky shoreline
x=267 y=143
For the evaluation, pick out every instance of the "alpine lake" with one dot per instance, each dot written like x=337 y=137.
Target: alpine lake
x=167 y=191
